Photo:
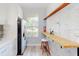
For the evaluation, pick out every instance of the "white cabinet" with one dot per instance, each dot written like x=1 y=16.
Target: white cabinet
x=8 y=49
x=2 y=21
x=3 y=13
x=3 y=50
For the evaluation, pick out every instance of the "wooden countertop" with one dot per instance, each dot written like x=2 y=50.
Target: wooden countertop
x=64 y=43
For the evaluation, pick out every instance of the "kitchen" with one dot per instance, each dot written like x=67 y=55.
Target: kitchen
x=24 y=25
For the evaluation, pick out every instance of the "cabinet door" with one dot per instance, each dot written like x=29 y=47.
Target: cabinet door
x=8 y=49
x=12 y=48
x=4 y=51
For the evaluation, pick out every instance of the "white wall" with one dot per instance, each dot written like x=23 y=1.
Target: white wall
x=8 y=16
x=52 y=7
x=14 y=12
x=65 y=23
x=3 y=12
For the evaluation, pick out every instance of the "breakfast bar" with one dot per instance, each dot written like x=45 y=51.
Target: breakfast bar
x=64 y=43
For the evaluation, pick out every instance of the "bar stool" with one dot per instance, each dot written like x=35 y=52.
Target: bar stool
x=45 y=47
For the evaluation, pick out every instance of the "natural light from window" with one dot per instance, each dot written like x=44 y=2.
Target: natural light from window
x=32 y=27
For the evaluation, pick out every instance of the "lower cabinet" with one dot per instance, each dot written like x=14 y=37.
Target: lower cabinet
x=8 y=49
x=3 y=50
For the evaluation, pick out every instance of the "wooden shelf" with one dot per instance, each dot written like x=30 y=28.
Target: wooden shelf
x=56 y=10
x=64 y=43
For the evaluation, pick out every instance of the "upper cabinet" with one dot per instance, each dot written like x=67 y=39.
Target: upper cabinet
x=3 y=13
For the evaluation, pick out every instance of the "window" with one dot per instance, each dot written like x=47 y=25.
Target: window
x=32 y=27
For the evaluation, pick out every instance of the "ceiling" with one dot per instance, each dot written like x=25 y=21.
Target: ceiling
x=34 y=5
x=30 y=9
